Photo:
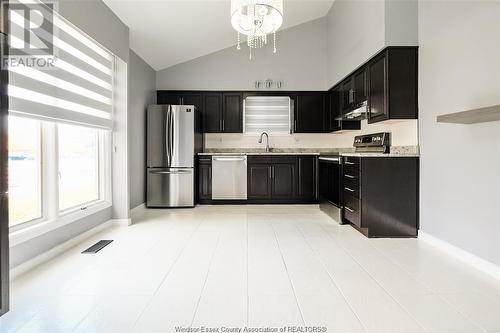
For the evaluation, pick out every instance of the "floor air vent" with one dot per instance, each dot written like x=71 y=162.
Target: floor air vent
x=97 y=247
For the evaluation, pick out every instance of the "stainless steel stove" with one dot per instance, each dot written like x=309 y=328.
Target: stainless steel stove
x=379 y=143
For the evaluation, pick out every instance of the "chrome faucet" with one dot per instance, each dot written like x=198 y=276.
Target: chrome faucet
x=267 y=140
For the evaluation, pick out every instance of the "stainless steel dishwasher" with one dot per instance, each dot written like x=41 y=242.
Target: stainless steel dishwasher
x=229 y=177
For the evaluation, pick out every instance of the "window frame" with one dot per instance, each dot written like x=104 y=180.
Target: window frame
x=53 y=218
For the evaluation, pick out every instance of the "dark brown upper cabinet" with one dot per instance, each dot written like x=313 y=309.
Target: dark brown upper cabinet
x=309 y=112
x=334 y=113
x=232 y=113
x=392 y=85
x=222 y=113
x=347 y=95
x=212 y=113
x=360 y=87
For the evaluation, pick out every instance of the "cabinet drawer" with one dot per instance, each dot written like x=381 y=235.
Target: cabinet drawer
x=284 y=159
x=257 y=159
x=351 y=209
x=351 y=186
x=351 y=170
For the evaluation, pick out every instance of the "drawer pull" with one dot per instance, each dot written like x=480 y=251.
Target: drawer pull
x=349 y=163
x=349 y=209
x=349 y=189
x=349 y=176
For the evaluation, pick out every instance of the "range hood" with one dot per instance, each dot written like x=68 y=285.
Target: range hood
x=359 y=113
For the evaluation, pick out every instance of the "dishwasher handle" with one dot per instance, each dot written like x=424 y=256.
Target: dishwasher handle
x=229 y=159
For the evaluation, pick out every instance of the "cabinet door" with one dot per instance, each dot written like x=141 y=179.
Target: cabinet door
x=284 y=179
x=360 y=91
x=377 y=90
x=307 y=177
x=309 y=113
x=168 y=97
x=192 y=99
x=205 y=179
x=347 y=99
x=232 y=119
x=212 y=113
x=259 y=181
x=335 y=123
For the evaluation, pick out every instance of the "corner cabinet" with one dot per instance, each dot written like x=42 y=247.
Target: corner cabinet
x=372 y=186
x=392 y=85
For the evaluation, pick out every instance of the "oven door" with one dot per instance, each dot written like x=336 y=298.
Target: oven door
x=330 y=186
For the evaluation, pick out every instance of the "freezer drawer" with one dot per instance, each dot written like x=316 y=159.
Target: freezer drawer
x=173 y=187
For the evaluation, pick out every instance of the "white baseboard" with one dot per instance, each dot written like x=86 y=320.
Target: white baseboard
x=467 y=257
x=21 y=269
x=121 y=222
x=138 y=209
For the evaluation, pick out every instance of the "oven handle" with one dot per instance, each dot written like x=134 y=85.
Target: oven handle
x=330 y=159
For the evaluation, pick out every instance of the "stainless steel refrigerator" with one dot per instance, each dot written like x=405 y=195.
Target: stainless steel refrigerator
x=173 y=139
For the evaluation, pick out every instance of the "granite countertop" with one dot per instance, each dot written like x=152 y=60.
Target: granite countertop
x=396 y=151
x=275 y=151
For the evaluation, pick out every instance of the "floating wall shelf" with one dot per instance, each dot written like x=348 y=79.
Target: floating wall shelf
x=482 y=115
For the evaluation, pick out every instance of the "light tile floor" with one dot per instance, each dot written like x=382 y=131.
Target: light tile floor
x=256 y=266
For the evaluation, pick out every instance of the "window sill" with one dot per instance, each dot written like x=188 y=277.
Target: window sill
x=28 y=233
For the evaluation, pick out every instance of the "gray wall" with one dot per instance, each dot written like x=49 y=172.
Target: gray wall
x=300 y=63
x=460 y=70
x=142 y=92
x=99 y=22
x=358 y=29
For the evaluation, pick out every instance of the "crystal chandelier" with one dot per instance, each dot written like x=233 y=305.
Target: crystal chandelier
x=256 y=19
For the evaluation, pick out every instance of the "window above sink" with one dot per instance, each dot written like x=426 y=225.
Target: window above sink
x=271 y=114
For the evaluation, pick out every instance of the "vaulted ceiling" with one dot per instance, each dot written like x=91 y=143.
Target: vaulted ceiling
x=168 y=32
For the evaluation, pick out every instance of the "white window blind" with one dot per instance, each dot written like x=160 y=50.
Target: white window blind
x=271 y=114
x=77 y=89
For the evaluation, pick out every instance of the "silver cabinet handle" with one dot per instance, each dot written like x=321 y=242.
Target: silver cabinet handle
x=349 y=176
x=349 y=209
x=349 y=189
x=220 y=125
x=349 y=163
x=223 y=125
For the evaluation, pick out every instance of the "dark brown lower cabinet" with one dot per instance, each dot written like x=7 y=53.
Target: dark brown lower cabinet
x=284 y=179
x=307 y=171
x=259 y=186
x=205 y=179
x=281 y=179
x=381 y=195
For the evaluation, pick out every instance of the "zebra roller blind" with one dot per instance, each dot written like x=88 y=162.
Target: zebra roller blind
x=78 y=88
x=271 y=114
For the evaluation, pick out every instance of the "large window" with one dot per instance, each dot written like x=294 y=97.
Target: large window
x=56 y=171
x=78 y=166
x=25 y=196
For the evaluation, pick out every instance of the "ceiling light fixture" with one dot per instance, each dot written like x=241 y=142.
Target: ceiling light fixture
x=256 y=19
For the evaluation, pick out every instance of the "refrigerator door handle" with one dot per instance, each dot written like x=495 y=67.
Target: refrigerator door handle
x=172 y=136
x=167 y=139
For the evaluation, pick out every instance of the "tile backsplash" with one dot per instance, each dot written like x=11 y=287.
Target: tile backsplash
x=403 y=133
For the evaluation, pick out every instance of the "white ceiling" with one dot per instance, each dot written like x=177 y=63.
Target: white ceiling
x=168 y=32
